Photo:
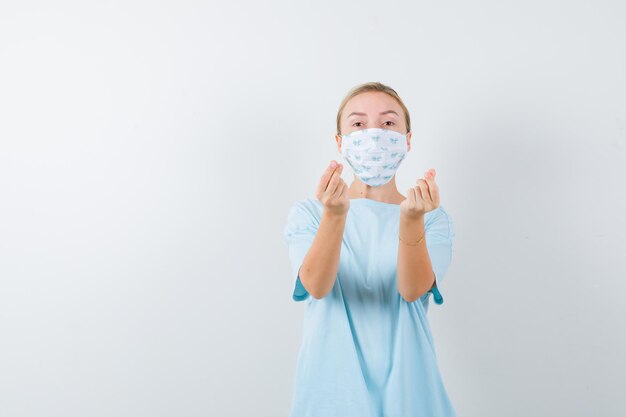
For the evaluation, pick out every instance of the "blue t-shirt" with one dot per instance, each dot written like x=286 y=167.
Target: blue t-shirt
x=365 y=351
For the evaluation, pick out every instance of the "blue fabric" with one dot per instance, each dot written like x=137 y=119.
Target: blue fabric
x=365 y=351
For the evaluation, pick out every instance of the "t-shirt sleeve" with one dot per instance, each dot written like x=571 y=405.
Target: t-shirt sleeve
x=299 y=233
x=439 y=237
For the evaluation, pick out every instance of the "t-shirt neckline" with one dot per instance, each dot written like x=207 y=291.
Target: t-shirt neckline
x=374 y=202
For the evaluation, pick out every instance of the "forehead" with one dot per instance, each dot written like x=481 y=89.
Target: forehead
x=371 y=102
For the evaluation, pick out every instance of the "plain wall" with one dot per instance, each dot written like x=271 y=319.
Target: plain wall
x=150 y=152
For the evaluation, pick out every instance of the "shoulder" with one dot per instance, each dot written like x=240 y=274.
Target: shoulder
x=312 y=205
x=305 y=210
x=436 y=214
x=439 y=221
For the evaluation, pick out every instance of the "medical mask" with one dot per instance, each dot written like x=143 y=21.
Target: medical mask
x=374 y=154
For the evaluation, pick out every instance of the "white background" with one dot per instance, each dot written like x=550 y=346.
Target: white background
x=150 y=152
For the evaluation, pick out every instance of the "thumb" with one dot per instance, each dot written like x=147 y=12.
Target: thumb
x=410 y=195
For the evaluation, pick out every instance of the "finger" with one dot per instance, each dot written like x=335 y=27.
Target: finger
x=430 y=172
x=324 y=180
x=429 y=176
x=425 y=192
x=334 y=167
x=339 y=190
x=418 y=193
x=410 y=194
x=335 y=180
x=434 y=198
x=434 y=193
x=432 y=186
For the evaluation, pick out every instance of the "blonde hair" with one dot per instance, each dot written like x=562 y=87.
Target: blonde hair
x=373 y=86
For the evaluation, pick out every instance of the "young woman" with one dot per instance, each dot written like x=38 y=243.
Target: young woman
x=365 y=259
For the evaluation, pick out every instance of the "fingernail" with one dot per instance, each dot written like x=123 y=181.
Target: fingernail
x=333 y=164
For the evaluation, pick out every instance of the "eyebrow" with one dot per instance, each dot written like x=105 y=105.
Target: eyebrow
x=354 y=113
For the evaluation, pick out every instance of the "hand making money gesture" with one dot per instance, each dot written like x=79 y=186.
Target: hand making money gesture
x=422 y=198
x=332 y=191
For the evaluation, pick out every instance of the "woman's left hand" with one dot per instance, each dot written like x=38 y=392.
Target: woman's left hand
x=422 y=198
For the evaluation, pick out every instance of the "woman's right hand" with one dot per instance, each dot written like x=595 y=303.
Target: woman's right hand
x=332 y=191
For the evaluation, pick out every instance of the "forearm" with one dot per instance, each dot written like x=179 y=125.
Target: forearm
x=321 y=263
x=415 y=274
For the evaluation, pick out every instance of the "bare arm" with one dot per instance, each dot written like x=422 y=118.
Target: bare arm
x=415 y=273
x=321 y=263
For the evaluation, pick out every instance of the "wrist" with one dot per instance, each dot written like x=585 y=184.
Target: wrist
x=333 y=215
x=412 y=218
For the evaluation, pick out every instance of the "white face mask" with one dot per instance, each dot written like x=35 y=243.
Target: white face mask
x=374 y=154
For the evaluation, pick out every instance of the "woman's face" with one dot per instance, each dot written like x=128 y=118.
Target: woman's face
x=372 y=109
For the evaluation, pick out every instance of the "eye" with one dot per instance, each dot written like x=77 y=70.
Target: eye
x=355 y=123
x=389 y=121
